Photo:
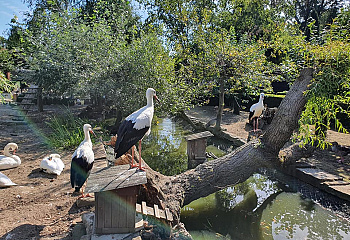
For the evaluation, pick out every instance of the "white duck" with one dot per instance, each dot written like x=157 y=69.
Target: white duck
x=9 y=160
x=5 y=181
x=52 y=164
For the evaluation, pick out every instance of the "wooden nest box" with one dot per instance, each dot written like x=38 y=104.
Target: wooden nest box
x=116 y=190
x=196 y=145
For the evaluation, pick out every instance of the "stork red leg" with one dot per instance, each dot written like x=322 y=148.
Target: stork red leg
x=140 y=159
x=133 y=165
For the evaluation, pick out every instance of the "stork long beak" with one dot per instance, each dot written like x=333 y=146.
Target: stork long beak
x=92 y=132
x=155 y=96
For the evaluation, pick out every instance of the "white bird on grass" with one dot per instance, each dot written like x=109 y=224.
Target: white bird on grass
x=5 y=181
x=9 y=160
x=255 y=112
x=52 y=164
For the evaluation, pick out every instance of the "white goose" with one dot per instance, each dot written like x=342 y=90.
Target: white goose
x=9 y=160
x=5 y=181
x=52 y=164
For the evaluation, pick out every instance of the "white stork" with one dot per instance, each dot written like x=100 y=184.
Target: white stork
x=255 y=112
x=135 y=127
x=82 y=161
x=52 y=164
x=9 y=160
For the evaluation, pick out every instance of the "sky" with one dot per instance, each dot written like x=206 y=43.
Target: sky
x=9 y=8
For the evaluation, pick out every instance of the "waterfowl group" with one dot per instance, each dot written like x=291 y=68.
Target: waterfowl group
x=131 y=131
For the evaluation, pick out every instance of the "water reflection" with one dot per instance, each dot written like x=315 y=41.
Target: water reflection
x=244 y=213
x=259 y=208
x=165 y=148
x=290 y=216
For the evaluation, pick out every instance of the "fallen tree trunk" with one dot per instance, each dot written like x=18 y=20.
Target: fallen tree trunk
x=176 y=191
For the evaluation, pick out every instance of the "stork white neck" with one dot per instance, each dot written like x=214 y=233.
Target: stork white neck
x=261 y=98
x=87 y=136
x=87 y=128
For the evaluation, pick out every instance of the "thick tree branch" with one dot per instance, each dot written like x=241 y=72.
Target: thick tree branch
x=236 y=167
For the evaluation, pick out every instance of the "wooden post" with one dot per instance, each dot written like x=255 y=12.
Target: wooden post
x=40 y=99
x=196 y=145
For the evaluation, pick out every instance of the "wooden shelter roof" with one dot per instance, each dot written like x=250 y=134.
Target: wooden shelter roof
x=199 y=135
x=115 y=177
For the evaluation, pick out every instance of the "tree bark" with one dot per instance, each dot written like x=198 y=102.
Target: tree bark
x=176 y=191
x=221 y=104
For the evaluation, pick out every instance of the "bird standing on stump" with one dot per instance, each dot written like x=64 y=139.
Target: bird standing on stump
x=135 y=127
x=82 y=161
x=255 y=112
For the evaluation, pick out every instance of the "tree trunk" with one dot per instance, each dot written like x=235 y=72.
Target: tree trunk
x=221 y=104
x=176 y=191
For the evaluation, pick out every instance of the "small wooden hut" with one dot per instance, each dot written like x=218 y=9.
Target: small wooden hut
x=116 y=190
x=196 y=145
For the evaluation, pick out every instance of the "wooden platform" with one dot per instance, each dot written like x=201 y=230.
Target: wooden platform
x=99 y=151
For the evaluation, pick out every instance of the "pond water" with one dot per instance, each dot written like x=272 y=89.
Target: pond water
x=269 y=205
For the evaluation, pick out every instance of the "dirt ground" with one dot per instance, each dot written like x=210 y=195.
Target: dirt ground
x=42 y=206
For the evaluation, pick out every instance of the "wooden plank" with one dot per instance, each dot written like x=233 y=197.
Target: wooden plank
x=144 y=208
x=122 y=213
x=99 y=151
x=138 y=208
x=130 y=211
x=162 y=214
x=150 y=211
x=118 y=218
x=319 y=175
x=107 y=209
x=156 y=211
x=99 y=211
x=115 y=211
x=199 y=136
x=169 y=216
x=115 y=177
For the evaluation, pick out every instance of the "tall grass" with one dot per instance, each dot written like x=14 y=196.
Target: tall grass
x=67 y=131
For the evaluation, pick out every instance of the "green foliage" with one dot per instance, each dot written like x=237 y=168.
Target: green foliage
x=67 y=131
x=329 y=93
x=5 y=85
